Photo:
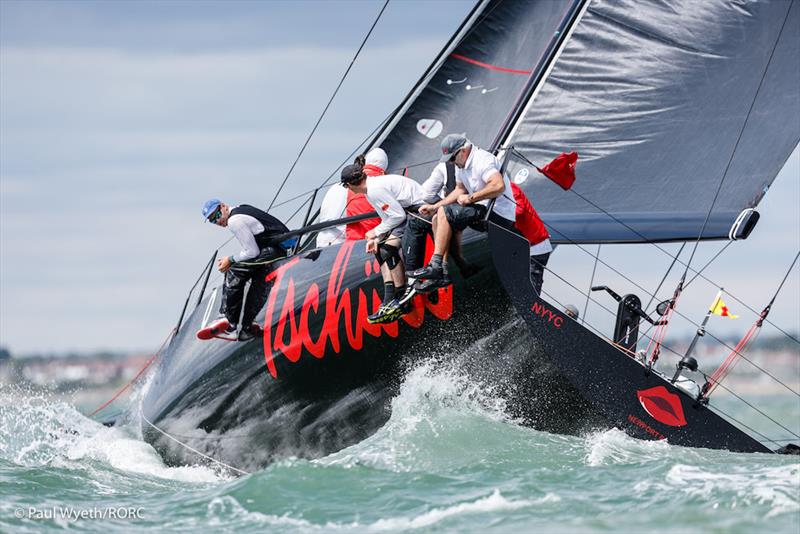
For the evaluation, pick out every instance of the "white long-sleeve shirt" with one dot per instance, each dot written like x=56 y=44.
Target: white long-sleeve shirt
x=389 y=195
x=334 y=206
x=245 y=228
x=433 y=187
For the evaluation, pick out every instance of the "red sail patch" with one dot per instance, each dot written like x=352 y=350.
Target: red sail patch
x=663 y=406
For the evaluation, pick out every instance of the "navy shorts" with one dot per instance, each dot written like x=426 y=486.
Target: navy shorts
x=460 y=217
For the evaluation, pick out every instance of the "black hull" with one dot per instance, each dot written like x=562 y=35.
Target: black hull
x=644 y=404
x=322 y=379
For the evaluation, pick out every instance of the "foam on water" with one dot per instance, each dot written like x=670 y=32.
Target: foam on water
x=616 y=447
x=434 y=417
x=492 y=503
x=38 y=431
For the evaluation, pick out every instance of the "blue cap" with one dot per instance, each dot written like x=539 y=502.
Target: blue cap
x=210 y=207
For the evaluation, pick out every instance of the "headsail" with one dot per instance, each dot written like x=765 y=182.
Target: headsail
x=656 y=98
x=475 y=86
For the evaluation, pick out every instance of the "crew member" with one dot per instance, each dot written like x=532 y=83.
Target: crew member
x=527 y=221
x=339 y=203
x=256 y=231
x=439 y=184
x=390 y=196
x=478 y=179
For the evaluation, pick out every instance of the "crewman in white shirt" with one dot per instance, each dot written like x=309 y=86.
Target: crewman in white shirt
x=390 y=195
x=478 y=180
x=439 y=184
x=257 y=232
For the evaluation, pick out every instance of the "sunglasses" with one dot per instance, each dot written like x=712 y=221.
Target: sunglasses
x=215 y=216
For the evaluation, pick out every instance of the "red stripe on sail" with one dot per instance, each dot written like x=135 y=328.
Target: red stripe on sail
x=489 y=66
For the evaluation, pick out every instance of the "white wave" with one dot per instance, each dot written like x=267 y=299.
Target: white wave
x=223 y=511
x=37 y=431
x=434 y=419
x=492 y=503
x=616 y=447
x=741 y=485
x=775 y=486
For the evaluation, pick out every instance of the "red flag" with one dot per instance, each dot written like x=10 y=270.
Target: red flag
x=561 y=170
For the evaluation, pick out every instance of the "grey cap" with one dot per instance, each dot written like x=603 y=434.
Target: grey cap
x=451 y=144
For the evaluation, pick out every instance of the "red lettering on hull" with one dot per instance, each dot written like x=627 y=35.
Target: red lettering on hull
x=546 y=313
x=647 y=428
x=338 y=311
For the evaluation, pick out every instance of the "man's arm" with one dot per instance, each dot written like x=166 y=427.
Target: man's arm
x=459 y=190
x=495 y=186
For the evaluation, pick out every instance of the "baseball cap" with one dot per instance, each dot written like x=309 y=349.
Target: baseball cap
x=210 y=207
x=451 y=144
x=352 y=173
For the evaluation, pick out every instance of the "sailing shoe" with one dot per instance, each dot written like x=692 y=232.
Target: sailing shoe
x=383 y=315
x=428 y=286
x=219 y=326
x=246 y=334
x=429 y=272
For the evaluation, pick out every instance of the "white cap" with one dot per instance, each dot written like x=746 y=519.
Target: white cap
x=378 y=157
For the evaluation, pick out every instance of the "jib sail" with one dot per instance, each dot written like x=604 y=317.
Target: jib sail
x=662 y=100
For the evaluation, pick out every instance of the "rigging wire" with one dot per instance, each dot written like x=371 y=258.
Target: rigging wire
x=721 y=342
x=664 y=278
x=738 y=139
x=669 y=349
x=319 y=120
x=646 y=240
x=591 y=284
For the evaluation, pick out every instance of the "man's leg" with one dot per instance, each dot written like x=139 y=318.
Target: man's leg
x=232 y=293
x=450 y=219
x=256 y=297
x=394 y=279
x=442 y=234
x=538 y=264
x=417 y=231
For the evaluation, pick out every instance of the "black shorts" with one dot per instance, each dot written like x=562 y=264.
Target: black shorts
x=460 y=217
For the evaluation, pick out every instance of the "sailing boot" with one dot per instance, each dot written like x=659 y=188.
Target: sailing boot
x=251 y=332
x=429 y=272
x=219 y=326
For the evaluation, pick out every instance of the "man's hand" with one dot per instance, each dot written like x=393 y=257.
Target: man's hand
x=372 y=245
x=223 y=264
x=464 y=200
x=370 y=234
x=427 y=209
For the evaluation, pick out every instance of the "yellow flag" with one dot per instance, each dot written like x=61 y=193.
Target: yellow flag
x=720 y=308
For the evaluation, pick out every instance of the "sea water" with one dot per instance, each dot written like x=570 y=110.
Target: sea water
x=448 y=459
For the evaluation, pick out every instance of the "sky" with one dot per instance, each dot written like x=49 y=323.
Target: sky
x=119 y=119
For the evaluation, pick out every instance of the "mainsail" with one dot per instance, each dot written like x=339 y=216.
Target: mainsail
x=664 y=102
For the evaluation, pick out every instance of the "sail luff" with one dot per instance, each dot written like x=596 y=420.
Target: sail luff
x=539 y=75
